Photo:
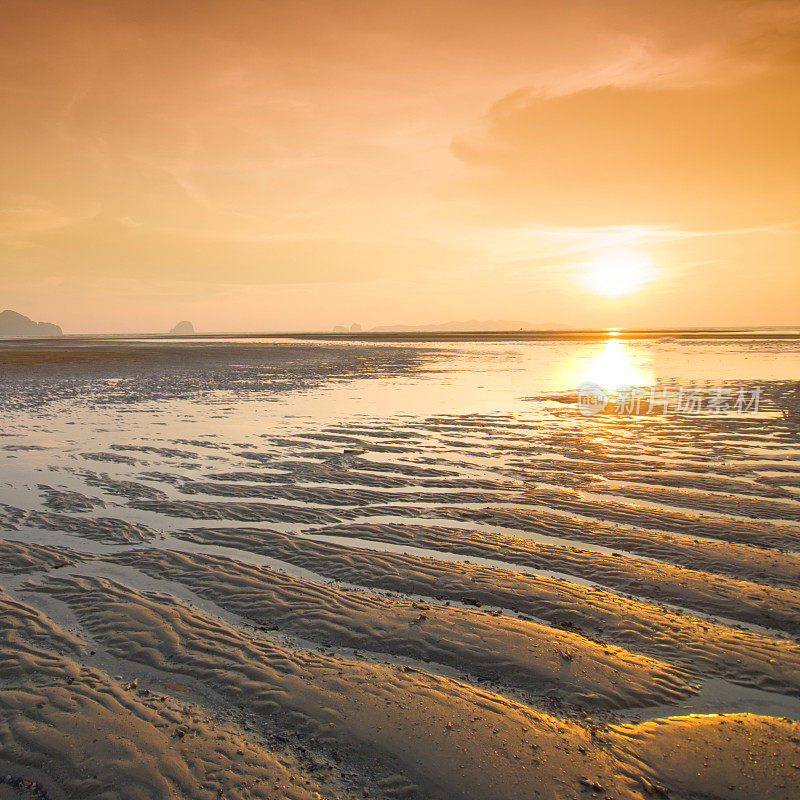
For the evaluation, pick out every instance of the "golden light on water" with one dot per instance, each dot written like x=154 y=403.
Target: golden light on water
x=618 y=272
x=612 y=364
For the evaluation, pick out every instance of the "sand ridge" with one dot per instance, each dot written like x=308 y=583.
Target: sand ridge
x=432 y=729
x=514 y=652
x=69 y=730
x=774 y=607
x=709 y=647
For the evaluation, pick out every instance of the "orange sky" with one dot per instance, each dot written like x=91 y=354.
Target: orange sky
x=259 y=165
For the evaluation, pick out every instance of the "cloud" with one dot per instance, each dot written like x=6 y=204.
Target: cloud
x=102 y=247
x=698 y=156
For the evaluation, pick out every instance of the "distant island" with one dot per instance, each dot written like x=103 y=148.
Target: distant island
x=13 y=325
x=465 y=326
x=183 y=328
x=471 y=325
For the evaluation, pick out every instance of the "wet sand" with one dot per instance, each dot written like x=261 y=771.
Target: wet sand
x=209 y=592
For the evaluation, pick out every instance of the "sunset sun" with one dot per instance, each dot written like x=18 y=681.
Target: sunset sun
x=618 y=272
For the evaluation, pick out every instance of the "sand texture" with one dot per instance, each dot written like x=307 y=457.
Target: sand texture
x=216 y=582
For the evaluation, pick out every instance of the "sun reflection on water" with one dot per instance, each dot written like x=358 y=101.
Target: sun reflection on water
x=612 y=365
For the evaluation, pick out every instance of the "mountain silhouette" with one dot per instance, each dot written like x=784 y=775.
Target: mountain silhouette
x=470 y=325
x=13 y=324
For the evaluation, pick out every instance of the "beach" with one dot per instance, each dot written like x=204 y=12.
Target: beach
x=401 y=567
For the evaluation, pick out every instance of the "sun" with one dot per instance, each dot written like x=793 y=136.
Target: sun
x=618 y=272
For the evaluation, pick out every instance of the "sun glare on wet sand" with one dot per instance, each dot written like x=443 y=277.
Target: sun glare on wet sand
x=611 y=364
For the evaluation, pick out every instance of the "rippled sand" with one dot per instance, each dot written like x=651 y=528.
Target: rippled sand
x=261 y=570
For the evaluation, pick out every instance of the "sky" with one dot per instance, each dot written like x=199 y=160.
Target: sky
x=256 y=165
